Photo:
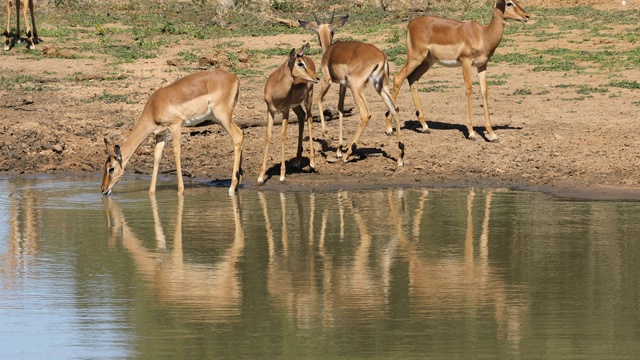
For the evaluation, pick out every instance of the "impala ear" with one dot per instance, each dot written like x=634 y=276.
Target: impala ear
x=312 y=26
x=338 y=23
x=292 y=55
x=117 y=153
x=501 y=5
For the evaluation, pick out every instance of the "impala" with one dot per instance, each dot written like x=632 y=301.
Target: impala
x=452 y=43
x=198 y=99
x=288 y=87
x=32 y=38
x=352 y=64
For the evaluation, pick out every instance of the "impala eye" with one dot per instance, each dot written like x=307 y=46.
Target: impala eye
x=300 y=64
x=509 y=4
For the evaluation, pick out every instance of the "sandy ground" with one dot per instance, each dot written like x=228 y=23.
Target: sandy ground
x=552 y=139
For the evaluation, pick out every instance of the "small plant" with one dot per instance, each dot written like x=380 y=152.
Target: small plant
x=522 y=92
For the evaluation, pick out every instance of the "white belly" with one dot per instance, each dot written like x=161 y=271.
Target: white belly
x=194 y=121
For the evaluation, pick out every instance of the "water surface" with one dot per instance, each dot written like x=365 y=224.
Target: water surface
x=420 y=273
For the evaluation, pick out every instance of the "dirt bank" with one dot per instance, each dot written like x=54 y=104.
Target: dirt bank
x=552 y=138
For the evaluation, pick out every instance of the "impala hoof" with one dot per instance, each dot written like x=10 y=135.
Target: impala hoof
x=425 y=130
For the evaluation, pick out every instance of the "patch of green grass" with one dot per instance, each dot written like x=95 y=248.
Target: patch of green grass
x=586 y=90
x=625 y=84
x=522 y=92
x=113 y=98
x=397 y=54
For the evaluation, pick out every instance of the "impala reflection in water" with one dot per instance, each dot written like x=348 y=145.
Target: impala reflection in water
x=386 y=273
x=213 y=287
x=320 y=286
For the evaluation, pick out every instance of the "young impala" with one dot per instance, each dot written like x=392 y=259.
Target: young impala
x=352 y=64
x=32 y=38
x=198 y=99
x=452 y=43
x=290 y=86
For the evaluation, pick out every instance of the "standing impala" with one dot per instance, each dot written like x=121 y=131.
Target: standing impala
x=352 y=64
x=198 y=99
x=290 y=86
x=452 y=43
x=32 y=38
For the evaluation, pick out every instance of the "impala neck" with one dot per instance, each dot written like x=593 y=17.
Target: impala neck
x=325 y=38
x=139 y=133
x=495 y=29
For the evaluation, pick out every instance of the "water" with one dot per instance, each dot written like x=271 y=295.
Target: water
x=426 y=273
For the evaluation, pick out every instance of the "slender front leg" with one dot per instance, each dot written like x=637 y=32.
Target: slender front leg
x=308 y=104
x=466 y=73
x=177 y=137
x=267 y=140
x=283 y=165
x=7 y=40
x=17 y=35
x=27 y=26
x=33 y=24
x=157 y=154
x=482 y=79
x=343 y=92
x=300 y=114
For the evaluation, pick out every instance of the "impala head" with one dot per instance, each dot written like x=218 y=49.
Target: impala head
x=511 y=10
x=113 y=168
x=324 y=30
x=301 y=66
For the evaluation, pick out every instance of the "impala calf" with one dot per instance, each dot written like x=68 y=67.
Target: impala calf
x=198 y=99
x=32 y=38
x=452 y=43
x=353 y=64
x=288 y=87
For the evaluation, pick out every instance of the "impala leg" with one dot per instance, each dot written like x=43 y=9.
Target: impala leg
x=7 y=40
x=238 y=139
x=27 y=26
x=267 y=140
x=324 y=87
x=17 y=34
x=157 y=154
x=343 y=92
x=466 y=73
x=482 y=79
x=283 y=165
x=413 y=78
x=361 y=103
x=33 y=24
x=301 y=119
x=176 y=139
x=386 y=97
x=308 y=104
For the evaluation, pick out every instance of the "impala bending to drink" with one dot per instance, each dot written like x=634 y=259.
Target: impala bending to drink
x=198 y=99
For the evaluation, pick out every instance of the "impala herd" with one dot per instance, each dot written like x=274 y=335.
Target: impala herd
x=210 y=96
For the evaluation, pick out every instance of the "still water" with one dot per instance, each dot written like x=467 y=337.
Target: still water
x=420 y=273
